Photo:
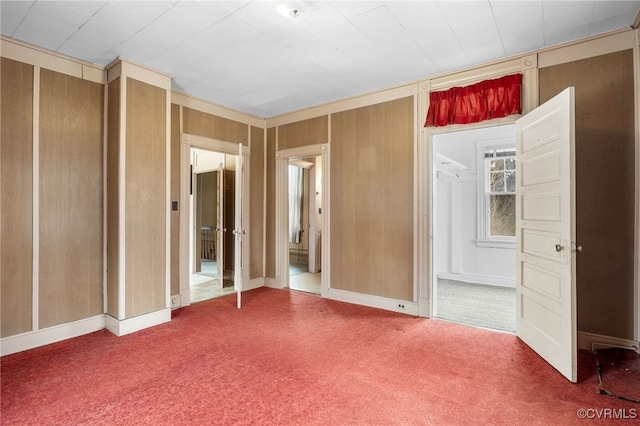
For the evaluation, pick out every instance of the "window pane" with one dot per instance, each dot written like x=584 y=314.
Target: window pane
x=497 y=182
x=510 y=163
x=497 y=165
x=510 y=180
x=502 y=215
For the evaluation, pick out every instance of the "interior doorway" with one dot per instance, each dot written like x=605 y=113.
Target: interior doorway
x=290 y=248
x=212 y=206
x=305 y=224
x=473 y=205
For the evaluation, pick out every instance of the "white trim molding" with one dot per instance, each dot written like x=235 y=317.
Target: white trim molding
x=28 y=54
x=282 y=213
x=372 y=301
x=188 y=141
x=253 y=284
x=34 y=339
x=137 y=323
x=592 y=342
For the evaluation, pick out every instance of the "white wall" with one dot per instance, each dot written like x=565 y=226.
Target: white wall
x=458 y=255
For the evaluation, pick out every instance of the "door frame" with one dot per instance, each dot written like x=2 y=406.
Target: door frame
x=188 y=141
x=431 y=277
x=282 y=212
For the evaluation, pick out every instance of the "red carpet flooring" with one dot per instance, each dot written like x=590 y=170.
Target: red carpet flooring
x=288 y=358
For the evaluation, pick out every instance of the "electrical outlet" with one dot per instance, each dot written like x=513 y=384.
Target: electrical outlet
x=401 y=306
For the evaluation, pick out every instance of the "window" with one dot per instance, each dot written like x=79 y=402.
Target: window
x=500 y=190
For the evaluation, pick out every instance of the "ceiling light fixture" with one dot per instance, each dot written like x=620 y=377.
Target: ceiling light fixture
x=292 y=12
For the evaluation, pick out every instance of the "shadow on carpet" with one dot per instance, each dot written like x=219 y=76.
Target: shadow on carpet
x=619 y=373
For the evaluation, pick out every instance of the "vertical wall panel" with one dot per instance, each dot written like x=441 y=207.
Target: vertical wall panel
x=16 y=186
x=270 y=194
x=302 y=133
x=214 y=127
x=113 y=200
x=372 y=199
x=256 y=196
x=175 y=196
x=145 y=215
x=605 y=178
x=71 y=188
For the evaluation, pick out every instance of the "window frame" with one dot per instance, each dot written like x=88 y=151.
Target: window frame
x=484 y=238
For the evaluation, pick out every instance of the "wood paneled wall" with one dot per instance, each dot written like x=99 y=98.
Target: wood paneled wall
x=16 y=196
x=145 y=204
x=605 y=164
x=214 y=127
x=113 y=199
x=270 y=194
x=175 y=196
x=302 y=133
x=71 y=131
x=256 y=204
x=372 y=199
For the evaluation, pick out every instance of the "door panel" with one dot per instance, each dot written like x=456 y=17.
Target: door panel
x=545 y=230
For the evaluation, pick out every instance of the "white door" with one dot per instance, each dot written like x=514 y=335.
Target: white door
x=241 y=255
x=545 y=232
x=220 y=225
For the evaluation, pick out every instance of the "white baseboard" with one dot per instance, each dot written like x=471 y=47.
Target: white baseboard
x=185 y=296
x=479 y=279
x=253 y=284
x=131 y=325
x=270 y=282
x=424 y=308
x=402 y=306
x=590 y=342
x=46 y=336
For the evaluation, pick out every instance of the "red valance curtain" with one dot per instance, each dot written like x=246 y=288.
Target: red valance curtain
x=481 y=101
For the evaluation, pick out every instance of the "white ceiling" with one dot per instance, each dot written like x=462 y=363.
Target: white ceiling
x=248 y=56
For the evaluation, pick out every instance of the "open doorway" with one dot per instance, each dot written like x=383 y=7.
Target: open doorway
x=212 y=216
x=305 y=224
x=473 y=187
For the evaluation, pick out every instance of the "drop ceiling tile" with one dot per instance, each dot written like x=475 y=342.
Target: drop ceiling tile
x=94 y=40
x=60 y=12
x=208 y=40
x=120 y=17
x=104 y=29
x=161 y=35
x=350 y=9
x=266 y=15
x=86 y=7
x=523 y=45
x=483 y=52
x=609 y=9
x=324 y=17
x=170 y=61
x=290 y=34
x=11 y=15
x=38 y=29
x=179 y=23
x=566 y=34
x=557 y=19
x=137 y=49
x=81 y=51
x=375 y=20
x=146 y=10
x=205 y=12
x=611 y=23
x=236 y=28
